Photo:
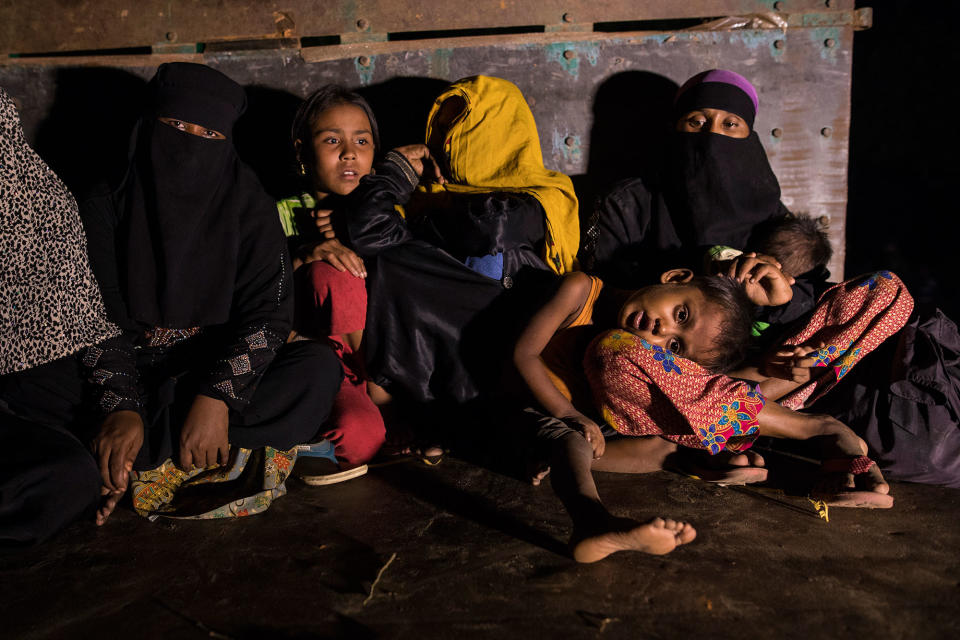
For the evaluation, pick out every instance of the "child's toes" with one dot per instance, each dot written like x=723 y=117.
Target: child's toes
x=872 y=481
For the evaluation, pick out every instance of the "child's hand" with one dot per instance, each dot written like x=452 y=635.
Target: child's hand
x=418 y=155
x=338 y=256
x=322 y=218
x=591 y=432
x=766 y=285
x=794 y=363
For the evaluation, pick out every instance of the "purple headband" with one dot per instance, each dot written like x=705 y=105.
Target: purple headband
x=719 y=88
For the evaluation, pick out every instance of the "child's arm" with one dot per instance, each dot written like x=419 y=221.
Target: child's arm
x=553 y=316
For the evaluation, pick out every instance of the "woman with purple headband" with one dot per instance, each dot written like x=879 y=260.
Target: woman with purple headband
x=714 y=186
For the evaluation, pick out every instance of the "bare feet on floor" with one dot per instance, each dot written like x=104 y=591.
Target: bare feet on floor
x=728 y=468
x=659 y=536
x=865 y=490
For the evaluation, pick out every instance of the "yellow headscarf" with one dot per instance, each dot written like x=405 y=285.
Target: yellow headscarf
x=494 y=146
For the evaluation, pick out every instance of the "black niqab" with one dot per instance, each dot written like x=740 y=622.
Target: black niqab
x=718 y=187
x=185 y=199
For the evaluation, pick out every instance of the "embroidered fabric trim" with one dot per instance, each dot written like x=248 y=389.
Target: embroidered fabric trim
x=162 y=337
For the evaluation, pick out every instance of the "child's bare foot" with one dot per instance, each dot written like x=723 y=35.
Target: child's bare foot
x=728 y=468
x=110 y=498
x=537 y=470
x=659 y=536
x=853 y=487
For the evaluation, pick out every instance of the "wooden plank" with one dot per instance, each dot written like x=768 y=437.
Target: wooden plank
x=599 y=109
x=43 y=26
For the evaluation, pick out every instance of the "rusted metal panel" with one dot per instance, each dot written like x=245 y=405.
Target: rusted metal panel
x=39 y=26
x=591 y=94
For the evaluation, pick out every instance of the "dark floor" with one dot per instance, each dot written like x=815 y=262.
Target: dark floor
x=462 y=552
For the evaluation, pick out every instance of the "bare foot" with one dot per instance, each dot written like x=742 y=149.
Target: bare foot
x=537 y=471
x=746 y=459
x=727 y=468
x=659 y=536
x=110 y=499
x=865 y=491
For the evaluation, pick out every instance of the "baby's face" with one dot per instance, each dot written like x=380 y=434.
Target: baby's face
x=675 y=316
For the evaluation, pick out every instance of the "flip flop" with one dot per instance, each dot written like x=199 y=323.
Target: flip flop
x=856 y=465
x=317 y=465
x=317 y=471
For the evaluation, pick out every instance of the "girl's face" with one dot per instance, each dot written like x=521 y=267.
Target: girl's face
x=342 y=149
x=717 y=121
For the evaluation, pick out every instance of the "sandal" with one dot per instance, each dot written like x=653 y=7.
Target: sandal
x=317 y=465
x=857 y=466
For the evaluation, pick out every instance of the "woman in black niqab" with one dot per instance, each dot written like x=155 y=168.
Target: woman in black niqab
x=714 y=186
x=193 y=266
x=187 y=196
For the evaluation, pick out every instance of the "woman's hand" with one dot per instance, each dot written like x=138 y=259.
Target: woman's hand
x=116 y=447
x=418 y=155
x=338 y=256
x=203 y=439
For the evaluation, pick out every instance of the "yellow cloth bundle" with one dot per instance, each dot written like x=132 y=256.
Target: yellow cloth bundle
x=493 y=146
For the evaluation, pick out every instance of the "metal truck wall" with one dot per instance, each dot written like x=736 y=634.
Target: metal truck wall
x=600 y=97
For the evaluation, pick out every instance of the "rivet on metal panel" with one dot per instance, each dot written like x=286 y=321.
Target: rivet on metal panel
x=779 y=44
x=829 y=42
x=777 y=132
x=363 y=24
x=364 y=61
x=171 y=36
x=862 y=19
x=568 y=17
x=569 y=54
x=778 y=6
x=824 y=221
x=826 y=132
x=569 y=141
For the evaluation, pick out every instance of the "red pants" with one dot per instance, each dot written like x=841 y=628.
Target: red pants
x=330 y=303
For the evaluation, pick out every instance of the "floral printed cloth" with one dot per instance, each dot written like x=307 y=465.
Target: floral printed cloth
x=168 y=491
x=850 y=320
x=642 y=389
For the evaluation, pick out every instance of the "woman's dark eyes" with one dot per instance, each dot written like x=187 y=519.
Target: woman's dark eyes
x=682 y=314
x=674 y=346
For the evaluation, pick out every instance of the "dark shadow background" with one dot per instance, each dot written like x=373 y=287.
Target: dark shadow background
x=904 y=138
